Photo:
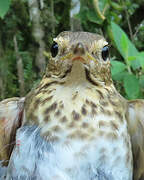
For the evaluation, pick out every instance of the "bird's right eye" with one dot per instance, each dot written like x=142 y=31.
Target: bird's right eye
x=54 y=49
x=105 y=52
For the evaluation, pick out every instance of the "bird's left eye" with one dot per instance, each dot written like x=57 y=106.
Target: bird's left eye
x=105 y=52
x=54 y=49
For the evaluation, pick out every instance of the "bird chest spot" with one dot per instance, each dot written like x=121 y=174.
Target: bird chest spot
x=111 y=136
x=93 y=111
x=46 y=91
x=53 y=106
x=108 y=124
x=71 y=125
x=87 y=102
x=63 y=119
x=56 y=128
x=93 y=105
x=50 y=108
x=57 y=113
x=36 y=103
x=114 y=125
x=74 y=96
x=47 y=118
x=91 y=129
x=103 y=103
x=53 y=139
x=103 y=124
x=114 y=102
x=100 y=94
x=83 y=110
x=72 y=136
x=32 y=117
x=75 y=115
x=46 y=100
x=107 y=112
x=77 y=134
x=119 y=115
x=49 y=136
x=102 y=110
x=61 y=105
x=83 y=135
x=85 y=125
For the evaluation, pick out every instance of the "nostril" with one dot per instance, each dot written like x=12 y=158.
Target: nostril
x=79 y=49
x=79 y=45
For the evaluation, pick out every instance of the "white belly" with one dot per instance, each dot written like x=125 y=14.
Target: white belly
x=91 y=145
x=37 y=159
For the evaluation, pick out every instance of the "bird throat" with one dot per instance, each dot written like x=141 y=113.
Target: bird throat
x=77 y=74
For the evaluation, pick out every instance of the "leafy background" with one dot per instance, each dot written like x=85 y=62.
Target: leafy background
x=121 y=22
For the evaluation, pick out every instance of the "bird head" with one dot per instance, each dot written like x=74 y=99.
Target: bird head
x=80 y=51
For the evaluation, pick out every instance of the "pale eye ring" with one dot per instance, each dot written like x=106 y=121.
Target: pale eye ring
x=105 y=52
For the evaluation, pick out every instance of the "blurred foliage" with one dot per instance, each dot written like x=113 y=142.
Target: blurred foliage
x=4 y=6
x=129 y=73
x=121 y=22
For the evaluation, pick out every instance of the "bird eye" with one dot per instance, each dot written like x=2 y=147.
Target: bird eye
x=54 y=49
x=105 y=53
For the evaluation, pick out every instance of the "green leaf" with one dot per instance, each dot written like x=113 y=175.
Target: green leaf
x=92 y=17
x=103 y=4
x=4 y=6
x=117 y=7
x=141 y=81
x=124 y=45
x=120 y=76
x=120 y=37
x=140 y=58
x=117 y=67
x=118 y=70
x=131 y=58
x=131 y=86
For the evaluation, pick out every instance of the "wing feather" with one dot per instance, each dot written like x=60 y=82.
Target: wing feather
x=11 y=113
x=136 y=130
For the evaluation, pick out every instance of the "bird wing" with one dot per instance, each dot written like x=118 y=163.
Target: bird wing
x=11 y=115
x=136 y=130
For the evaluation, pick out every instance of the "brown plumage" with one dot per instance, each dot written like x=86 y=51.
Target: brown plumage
x=76 y=101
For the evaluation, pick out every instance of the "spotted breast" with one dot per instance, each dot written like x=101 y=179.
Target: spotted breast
x=75 y=121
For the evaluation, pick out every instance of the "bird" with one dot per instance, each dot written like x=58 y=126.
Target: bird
x=74 y=125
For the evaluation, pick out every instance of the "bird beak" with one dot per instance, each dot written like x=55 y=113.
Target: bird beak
x=78 y=58
x=78 y=52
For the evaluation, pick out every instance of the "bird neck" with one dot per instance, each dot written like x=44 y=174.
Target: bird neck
x=77 y=74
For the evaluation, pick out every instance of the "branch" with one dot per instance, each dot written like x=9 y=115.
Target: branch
x=75 y=24
x=96 y=6
x=19 y=68
x=38 y=33
x=52 y=15
x=129 y=25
